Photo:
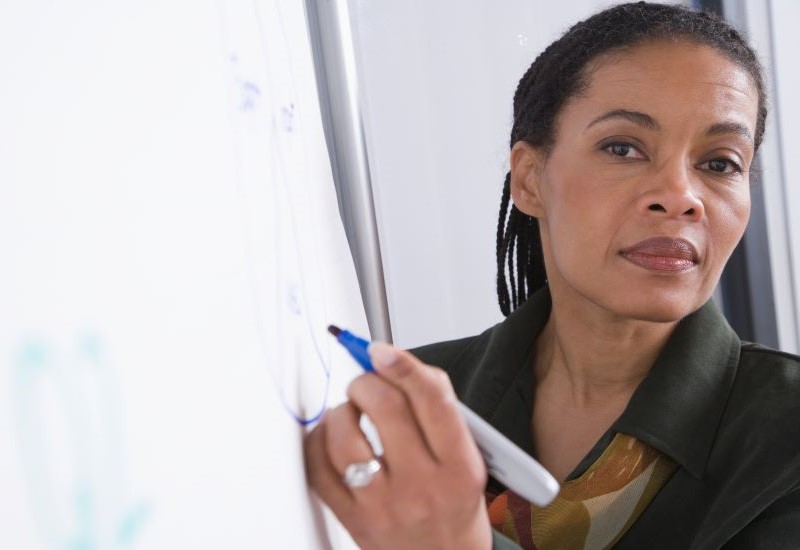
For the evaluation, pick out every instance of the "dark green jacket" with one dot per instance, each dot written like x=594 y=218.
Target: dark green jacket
x=727 y=411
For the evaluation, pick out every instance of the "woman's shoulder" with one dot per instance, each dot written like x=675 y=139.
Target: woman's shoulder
x=755 y=461
x=768 y=374
x=757 y=354
x=764 y=401
x=761 y=421
x=765 y=395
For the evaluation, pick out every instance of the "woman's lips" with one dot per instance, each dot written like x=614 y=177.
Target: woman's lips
x=662 y=254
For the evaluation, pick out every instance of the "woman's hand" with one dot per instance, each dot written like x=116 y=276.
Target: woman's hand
x=429 y=490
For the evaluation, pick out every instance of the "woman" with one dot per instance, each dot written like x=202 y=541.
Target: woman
x=631 y=147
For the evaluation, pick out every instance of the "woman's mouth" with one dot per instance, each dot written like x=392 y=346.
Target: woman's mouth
x=662 y=254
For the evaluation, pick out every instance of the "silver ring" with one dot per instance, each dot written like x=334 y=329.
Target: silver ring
x=360 y=474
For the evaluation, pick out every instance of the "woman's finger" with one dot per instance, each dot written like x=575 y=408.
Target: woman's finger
x=347 y=446
x=323 y=477
x=432 y=400
x=404 y=446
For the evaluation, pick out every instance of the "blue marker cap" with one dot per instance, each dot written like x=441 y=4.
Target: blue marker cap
x=355 y=345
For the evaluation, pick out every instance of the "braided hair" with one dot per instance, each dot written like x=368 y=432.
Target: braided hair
x=562 y=71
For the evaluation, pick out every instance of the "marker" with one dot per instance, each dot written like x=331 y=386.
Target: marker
x=506 y=462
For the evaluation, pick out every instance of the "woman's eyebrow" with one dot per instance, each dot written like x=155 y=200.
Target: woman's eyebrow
x=638 y=118
x=721 y=128
x=646 y=121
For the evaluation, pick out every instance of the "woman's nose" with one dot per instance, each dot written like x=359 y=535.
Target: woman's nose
x=673 y=194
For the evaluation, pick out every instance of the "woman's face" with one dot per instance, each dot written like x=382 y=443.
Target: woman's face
x=645 y=193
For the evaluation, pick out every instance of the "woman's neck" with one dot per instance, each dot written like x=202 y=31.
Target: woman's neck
x=591 y=358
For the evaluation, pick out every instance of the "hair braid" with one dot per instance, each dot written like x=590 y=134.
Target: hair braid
x=511 y=237
x=502 y=287
x=522 y=254
x=518 y=275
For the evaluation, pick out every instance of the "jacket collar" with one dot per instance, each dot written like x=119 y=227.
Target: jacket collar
x=679 y=405
x=676 y=409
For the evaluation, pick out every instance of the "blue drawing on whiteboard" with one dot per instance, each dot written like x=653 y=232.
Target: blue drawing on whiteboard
x=287 y=118
x=67 y=414
x=293 y=300
x=273 y=175
x=249 y=96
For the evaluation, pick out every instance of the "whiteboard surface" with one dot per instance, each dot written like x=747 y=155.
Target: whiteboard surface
x=172 y=254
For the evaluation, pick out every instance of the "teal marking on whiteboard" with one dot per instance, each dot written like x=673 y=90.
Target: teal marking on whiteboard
x=73 y=458
x=132 y=523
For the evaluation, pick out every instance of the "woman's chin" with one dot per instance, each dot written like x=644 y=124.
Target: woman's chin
x=658 y=309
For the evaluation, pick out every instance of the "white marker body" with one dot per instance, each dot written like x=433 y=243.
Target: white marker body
x=509 y=464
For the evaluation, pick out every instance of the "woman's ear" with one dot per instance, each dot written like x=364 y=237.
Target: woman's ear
x=527 y=164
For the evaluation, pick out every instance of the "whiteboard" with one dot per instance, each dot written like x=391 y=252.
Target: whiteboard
x=171 y=255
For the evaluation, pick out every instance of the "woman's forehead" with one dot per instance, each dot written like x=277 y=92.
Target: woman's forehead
x=674 y=80
x=651 y=58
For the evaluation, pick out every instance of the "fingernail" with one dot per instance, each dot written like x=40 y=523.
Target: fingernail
x=382 y=355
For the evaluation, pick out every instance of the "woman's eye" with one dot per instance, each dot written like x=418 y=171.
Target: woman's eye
x=623 y=150
x=722 y=166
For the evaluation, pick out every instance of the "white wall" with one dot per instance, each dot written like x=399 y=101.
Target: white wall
x=784 y=15
x=438 y=80
x=770 y=29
